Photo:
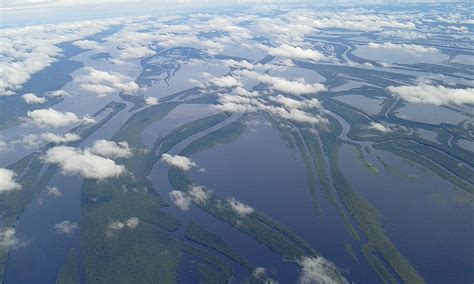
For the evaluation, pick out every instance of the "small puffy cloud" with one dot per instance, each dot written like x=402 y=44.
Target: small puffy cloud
x=132 y=222
x=103 y=83
x=66 y=228
x=180 y=162
x=242 y=64
x=239 y=208
x=319 y=270
x=380 y=127
x=31 y=98
x=131 y=52
x=180 y=199
x=297 y=115
x=53 y=191
x=286 y=50
x=198 y=194
x=52 y=118
x=246 y=93
x=87 y=44
x=424 y=93
x=291 y=103
x=410 y=48
x=111 y=149
x=34 y=140
x=8 y=239
x=151 y=101
x=99 y=90
x=7 y=181
x=283 y=85
x=3 y=145
x=226 y=82
x=58 y=93
x=116 y=226
x=88 y=120
x=73 y=161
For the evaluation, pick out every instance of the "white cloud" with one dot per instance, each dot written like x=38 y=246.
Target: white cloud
x=111 y=149
x=132 y=222
x=103 y=83
x=424 y=93
x=180 y=162
x=226 y=82
x=380 y=127
x=199 y=194
x=52 y=118
x=65 y=228
x=29 y=49
x=58 y=93
x=8 y=239
x=319 y=270
x=34 y=140
x=73 y=161
x=54 y=191
x=151 y=101
x=31 y=98
x=286 y=50
x=291 y=103
x=180 y=199
x=406 y=48
x=239 y=208
x=283 y=85
x=7 y=181
x=242 y=64
x=116 y=226
x=87 y=44
x=99 y=90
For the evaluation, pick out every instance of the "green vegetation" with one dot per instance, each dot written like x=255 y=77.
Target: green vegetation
x=366 y=164
x=146 y=251
x=69 y=273
x=440 y=164
x=198 y=234
x=368 y=220
x=351 y=252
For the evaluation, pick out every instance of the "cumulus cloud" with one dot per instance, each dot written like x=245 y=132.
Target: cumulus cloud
x=180 y=199
x=103 y=83
x=180 y=162
x=8 y=239
x=406 y=48
x=27 y=50
x=31 y=98
x=241 y=64
x=226 y=82
x=116 y=226
x=7 y=181
x=132 y=222
x=424 y=93
x=52 y=118
x=66 y=228
x=239 y=208
x=286 y=50
x=73 y=161
x=111 y=149
x=54 y=191
x=380 y=127
x=35 y=140
x=198 y=194
x=283 y=85
x=87 y=44
x=290 y=111
x=319 y=270
x=151 y=101
x=291 y=103
x=58 y=93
